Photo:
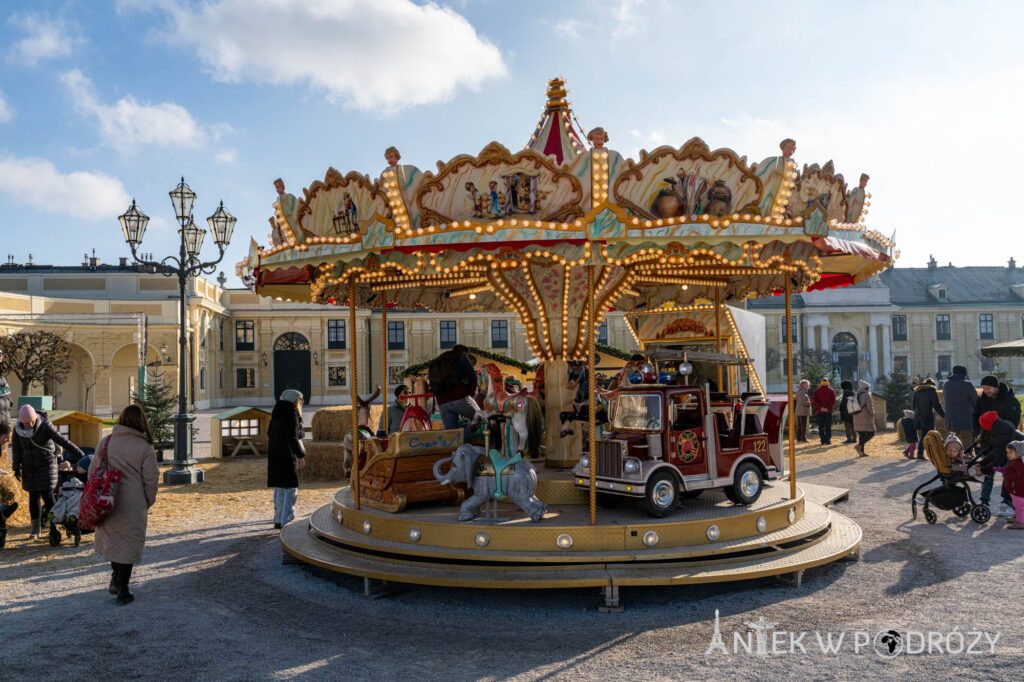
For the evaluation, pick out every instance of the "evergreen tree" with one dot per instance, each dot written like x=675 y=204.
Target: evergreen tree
x=160 y=403
x=898 y=393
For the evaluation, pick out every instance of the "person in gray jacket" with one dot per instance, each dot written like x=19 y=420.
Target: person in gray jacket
x=396 y=411
x=960 y=398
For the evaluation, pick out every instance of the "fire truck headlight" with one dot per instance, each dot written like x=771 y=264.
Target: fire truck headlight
x=631 y=466
x=585 y=462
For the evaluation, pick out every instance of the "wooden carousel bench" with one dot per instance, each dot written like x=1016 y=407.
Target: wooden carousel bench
x=403 y=471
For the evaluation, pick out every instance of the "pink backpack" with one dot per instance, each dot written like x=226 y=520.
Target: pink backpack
x=100 y=492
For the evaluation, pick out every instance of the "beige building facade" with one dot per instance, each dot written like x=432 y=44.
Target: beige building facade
x=922 y=320
x=243 y=349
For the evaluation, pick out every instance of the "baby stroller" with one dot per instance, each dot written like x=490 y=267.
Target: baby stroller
x=65 y=511
x=953 y=492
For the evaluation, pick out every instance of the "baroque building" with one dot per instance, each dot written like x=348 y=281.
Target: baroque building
x=921 y=320
x=243 y=349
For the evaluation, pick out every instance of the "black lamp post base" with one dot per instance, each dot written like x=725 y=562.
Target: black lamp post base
x=183 y=476
x=184 y=471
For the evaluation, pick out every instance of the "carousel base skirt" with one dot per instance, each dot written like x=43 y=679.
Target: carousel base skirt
x=707 y=539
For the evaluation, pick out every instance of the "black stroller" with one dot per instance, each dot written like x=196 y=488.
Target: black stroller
x=953 y=492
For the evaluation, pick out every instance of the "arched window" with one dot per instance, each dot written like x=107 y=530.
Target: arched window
x=291 y=341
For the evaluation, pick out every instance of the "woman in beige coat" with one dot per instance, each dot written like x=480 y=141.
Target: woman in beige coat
x=864 y=420
x=121 y=535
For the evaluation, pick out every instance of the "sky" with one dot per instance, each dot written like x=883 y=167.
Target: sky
x=105 y=101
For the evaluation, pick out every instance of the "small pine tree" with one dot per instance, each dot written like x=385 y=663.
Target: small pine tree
x=898 y=393
x=160 y=403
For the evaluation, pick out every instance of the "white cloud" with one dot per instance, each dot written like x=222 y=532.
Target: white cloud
x=37 y=183
x=570 y=28
x=128 y=124
x=6 y=111
x=226 y=156
x=44 y=38
x=625 y=17
x=376 y=56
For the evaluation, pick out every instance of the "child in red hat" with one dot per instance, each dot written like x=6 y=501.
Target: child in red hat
x=1013 y=481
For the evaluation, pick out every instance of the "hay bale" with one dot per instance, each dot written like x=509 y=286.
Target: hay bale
x=332 y=423
x=10 y=489
x=324 y=461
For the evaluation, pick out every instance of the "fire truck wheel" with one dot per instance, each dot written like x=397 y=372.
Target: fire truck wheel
x=747 y=483
x=662 y=494
x=609 y=501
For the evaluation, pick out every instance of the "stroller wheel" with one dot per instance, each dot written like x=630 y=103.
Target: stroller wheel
x=963 y=509
x=981 y=513
x=54 y=535
x=930 y=516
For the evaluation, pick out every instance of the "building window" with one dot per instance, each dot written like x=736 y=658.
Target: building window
x=942 y=327
x=782 y=329
x=1022 y=324
x=396 y=335
x=985 y=326
x=945 y=365
x=221 y=339
x=602 y=332
x=988 y=365
x=499 y=333
x=941 y=294
x=449 y=334
x=245 y=335
x=240 y=428
x=245 y=377
x=899 y=327
x=393 y=372
x=337 y=375
x=202 y=378
x=899 y=363
x=220 y=379
x=336 y=337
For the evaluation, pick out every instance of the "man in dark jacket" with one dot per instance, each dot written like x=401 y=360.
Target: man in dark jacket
x=36 y=460
x=824 y=401
x=285 y=455
x=996 y=397
x=456 y=398
x=844 y=412
x=926 y=403
x=1000 y=433
x=960 y=398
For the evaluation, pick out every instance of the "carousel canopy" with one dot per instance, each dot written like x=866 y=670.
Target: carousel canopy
x=518 y=231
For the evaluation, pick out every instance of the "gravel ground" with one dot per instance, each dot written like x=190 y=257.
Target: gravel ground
x=214 y=602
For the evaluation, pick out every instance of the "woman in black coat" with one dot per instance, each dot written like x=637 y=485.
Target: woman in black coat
x=285 y=455
x=34 y=445
x=844 y=412
x=926 y=404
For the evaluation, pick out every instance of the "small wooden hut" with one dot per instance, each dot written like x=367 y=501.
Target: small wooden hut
x=240 y=430
x=84 y=430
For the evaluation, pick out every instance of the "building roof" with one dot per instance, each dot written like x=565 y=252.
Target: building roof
x=972 y=285
x=964 y=285
x=55 y=415
x=236 y=411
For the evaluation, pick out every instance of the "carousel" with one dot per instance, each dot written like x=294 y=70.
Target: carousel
x=676 y=471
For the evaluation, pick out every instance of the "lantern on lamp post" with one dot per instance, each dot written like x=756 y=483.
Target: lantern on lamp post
x=183 y=266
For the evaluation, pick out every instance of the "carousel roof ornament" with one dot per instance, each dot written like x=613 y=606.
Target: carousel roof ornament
x=519 y=231
x=555 y=135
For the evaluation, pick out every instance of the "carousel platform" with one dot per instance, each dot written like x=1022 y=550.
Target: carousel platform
x=707 y=540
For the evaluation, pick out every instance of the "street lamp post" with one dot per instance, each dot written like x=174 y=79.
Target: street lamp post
x=187 y=264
